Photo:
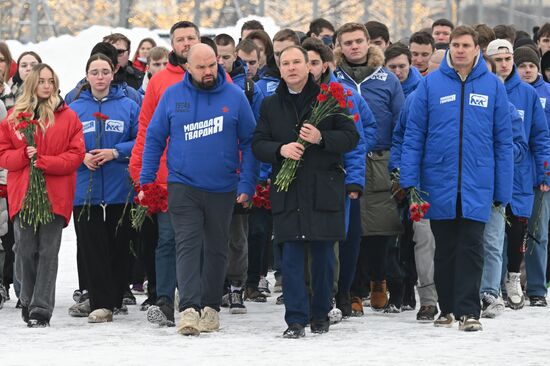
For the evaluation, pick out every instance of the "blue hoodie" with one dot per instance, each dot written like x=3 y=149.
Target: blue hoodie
x=207 y=129
x=543 y=91
x=127 y=89
x=384 y=95
x=110 y=182
x=458 y=139
x=412 y=81
x=530 y=171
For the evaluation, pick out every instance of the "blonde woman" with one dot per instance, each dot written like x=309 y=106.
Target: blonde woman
x=59 y=151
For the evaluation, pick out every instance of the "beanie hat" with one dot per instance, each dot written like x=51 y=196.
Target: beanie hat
x=526 y=54
x=545 y=64
x=108 y=50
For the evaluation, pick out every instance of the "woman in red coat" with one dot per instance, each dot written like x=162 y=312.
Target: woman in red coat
x=58 y=152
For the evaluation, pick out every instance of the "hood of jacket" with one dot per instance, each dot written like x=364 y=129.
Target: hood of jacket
x=220 y=81
x=512 y=81
x=375 y=60
x=411 y=82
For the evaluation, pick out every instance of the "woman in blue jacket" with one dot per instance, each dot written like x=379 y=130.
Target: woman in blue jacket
x=109 y=121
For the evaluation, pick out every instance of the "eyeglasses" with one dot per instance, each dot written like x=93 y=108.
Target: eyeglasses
x=121 y=52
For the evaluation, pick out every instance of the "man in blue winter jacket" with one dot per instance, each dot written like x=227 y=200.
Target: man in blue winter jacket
x=208 y=121
x=458 y=149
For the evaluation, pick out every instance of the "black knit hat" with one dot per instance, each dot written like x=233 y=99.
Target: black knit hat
x=108 y=50
x=526 y=54
x=545 y=64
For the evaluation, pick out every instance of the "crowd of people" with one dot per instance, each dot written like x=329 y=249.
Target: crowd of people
x=427 y=180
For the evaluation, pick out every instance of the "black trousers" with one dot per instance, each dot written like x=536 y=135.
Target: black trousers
x=458 y=265
x=147 y=240
x=105 y=251
x=259 y=233
x=371 y=264
x=516 y=240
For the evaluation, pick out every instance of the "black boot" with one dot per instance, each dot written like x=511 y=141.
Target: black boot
x=294 y=331
x=343 y=302
x=319 y=325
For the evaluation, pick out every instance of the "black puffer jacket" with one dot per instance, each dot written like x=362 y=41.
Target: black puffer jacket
x=130 y=75
x=313 y=207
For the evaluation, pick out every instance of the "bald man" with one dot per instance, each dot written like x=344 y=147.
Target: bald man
x=209 y=121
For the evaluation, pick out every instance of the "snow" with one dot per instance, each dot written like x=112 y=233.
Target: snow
x=256 y=337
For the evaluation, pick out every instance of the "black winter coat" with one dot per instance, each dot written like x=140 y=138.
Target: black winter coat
x=130 y=76
x=313 y=207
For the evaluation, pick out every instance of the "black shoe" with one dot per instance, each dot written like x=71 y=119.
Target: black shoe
x=426 y=313
x=76 y=295
x=38 y=321
x=146 y=304
x=25 y=314
x=236 y=305
x=343 y=302
x=319 y=326
x=162 y=313
x=537 y=301
x=409 y=299
x=128 y=298
x=84 y=296
x=280 y=300
x=294 y=331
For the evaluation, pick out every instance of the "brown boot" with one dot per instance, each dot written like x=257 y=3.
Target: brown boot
x=356 y=306
x=378 y=295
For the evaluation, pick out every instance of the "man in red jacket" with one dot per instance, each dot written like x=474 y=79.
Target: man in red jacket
x=183 y=35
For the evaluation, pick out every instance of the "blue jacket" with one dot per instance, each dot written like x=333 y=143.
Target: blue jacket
x=412 y=81
x=268 y=84
x=530 y=171
x=207 y=129
x=384 y=95
x=459 y=140
x=127 y=89
x=543 y=90
x=520 y=144
x=110 y=182
x=238 y=75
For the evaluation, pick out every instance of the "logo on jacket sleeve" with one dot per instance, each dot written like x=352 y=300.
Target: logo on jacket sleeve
x=272 y=86
x=380 y=75
x=447 y=99
x=205 y=128
x=88 y=126
x=112 y=125
x=543 y=102
x=479 y=100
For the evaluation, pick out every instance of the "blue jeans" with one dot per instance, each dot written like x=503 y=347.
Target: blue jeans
x=297 y=305
x=165 y=257
x=536 y=257
x=493 y=244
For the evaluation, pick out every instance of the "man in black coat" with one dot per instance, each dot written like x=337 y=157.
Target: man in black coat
x=311 y=212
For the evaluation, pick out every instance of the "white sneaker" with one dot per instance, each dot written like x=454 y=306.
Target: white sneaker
x=100 y=316
x=335 y=316
x=514 y=291
x=263 y=286
x=492 y=306
x=209 y=321
x=469 y=323
x=189 y=322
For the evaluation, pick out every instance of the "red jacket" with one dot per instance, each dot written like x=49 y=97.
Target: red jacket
x=59 y=154
x=156 y=87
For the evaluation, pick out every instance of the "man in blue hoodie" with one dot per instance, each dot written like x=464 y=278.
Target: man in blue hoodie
x=458 y=149
x=208 y=121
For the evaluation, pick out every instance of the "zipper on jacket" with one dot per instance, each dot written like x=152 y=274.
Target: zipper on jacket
x=461 y=133
x=102 y=204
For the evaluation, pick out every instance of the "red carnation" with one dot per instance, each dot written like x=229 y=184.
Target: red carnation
x=545 y=165
x=100 y=116
x=349 y=93
x=322 y=98
x=22 y=125
x=324 y=87
x=350 y=104
x=356 y=117
x=342 y=103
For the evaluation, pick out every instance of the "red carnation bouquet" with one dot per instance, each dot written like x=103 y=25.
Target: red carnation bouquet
x=155 y=199
x=37 y=208
x=418 y=206
x=330 y=102
x=261 y=197
x=100 y=118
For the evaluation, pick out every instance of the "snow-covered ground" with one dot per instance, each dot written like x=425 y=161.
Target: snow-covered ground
x=255 y=338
